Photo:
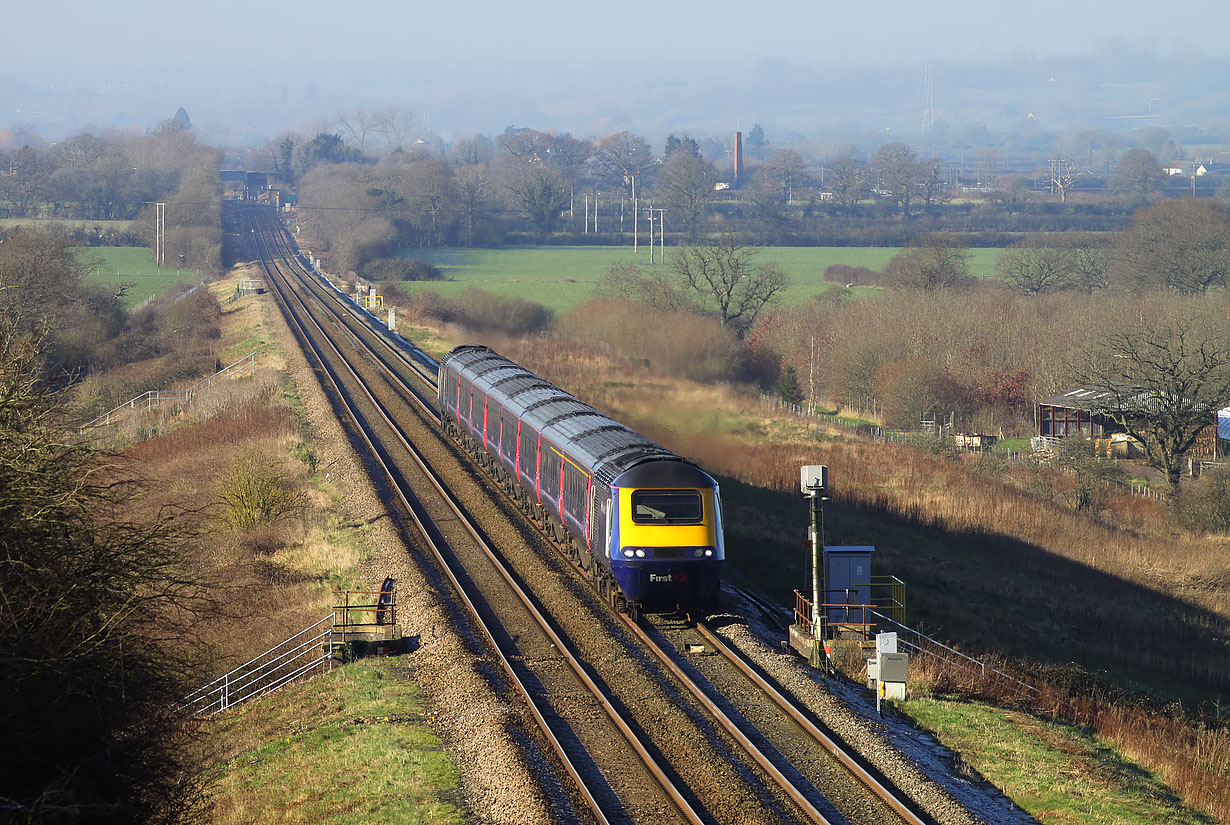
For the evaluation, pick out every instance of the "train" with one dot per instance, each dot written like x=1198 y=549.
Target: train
x=644 y=523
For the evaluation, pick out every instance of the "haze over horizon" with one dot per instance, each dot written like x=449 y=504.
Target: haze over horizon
x=480 y=66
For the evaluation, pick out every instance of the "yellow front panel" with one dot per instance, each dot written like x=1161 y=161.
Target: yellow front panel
x=632 y=534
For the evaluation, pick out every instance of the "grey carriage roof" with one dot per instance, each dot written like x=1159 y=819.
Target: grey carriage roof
x=601 y=443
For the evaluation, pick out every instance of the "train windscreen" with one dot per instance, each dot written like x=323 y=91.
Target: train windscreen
x=667 y=507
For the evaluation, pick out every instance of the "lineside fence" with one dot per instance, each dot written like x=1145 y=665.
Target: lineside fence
x=914 y=642
x=1041 y=445
x=863 y=620
x=179 y=399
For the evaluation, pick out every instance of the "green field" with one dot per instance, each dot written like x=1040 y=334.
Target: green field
x=562 y=276
x=118 y=265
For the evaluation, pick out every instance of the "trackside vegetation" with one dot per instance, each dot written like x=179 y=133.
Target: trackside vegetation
x=1057 y=772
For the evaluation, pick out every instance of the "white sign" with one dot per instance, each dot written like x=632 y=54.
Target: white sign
x=813 y=477
x=886 y=643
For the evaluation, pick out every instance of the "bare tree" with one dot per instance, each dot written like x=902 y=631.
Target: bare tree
x=28 y=179
x=936 y=263
x=724 y=277
x=846 y=178
x=1063 y=176
x=624 y=156
x=473 y=198
x=784 y=172
x=94 y=626
x=1181 y=244
x=1163 y=381
x=898 y=172
x=534 y=191
x=473 y=150
x=1138 y=175
x=395 y=127
x=1034 y=268
x=686 y=183
x=1089 y=267
x=357 y=125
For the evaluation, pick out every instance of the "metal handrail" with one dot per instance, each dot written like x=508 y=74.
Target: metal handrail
x=263 y=673
x=802 y=617
x=154 y=398
x=384 y=612
x=970 y=660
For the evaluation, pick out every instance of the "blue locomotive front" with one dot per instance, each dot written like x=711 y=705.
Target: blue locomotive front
x=665 y=539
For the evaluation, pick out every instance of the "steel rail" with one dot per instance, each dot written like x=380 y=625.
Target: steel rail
x=412 y=356
x=710 y=707
x=421 y=519
x=728 y=725
x=884 y=793
x=788 y=787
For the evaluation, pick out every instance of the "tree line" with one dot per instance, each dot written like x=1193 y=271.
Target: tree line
x=118 y=177
x=532 y=186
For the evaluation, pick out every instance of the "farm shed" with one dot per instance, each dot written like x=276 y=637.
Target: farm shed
x=1079 y=411
x=1074 y=411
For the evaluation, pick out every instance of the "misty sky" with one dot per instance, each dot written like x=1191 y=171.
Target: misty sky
x=490 y=64
x=78 y=33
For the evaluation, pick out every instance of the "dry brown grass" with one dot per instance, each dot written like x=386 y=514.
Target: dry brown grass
x=270 y=580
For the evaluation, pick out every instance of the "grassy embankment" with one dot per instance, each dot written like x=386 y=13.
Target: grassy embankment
x=346 y=747
x=350 y=747
x=561 y=277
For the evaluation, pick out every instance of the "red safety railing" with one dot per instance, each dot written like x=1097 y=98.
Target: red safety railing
x=833 y=614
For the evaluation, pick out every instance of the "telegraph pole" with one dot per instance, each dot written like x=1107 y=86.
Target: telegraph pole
x=160 y=232
x=635 y=214
x=661 y=236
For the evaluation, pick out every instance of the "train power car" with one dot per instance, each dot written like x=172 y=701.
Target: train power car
x=643 y=522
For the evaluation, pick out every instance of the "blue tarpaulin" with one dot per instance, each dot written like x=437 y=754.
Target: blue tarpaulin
x=1223 y=424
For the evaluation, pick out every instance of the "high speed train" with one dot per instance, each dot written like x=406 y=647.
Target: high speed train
x=646 y=524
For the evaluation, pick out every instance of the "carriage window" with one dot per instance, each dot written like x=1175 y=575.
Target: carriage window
x=667 y=507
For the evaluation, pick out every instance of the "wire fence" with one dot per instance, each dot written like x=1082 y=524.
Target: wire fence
x=1043 y=448
x=160 y=399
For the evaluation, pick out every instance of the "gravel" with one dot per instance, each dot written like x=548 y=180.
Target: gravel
x=909 y=757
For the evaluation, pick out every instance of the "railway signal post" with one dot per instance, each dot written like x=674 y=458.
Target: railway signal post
x=814 y=483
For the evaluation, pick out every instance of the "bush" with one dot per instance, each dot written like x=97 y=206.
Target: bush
x=1206 y=508
x=94 y=627
x=253 y=494
x=681 y=344
x=401 y=269
x=480 y=310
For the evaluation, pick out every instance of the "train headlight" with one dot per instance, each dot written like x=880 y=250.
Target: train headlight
x=698 y=552
x=629 y=552
x=708 y=551
x=640 y=552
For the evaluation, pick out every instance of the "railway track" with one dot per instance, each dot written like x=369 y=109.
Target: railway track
x=600 y=687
